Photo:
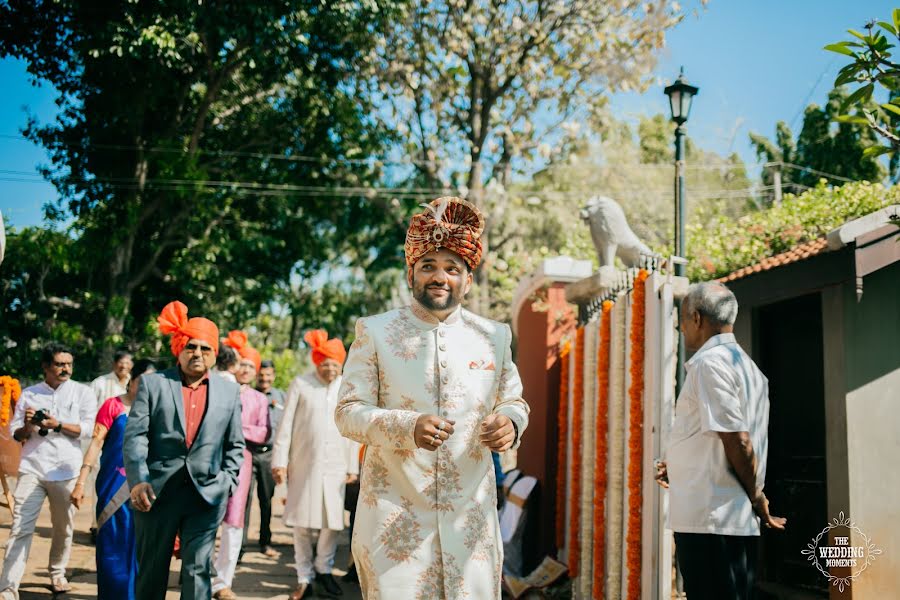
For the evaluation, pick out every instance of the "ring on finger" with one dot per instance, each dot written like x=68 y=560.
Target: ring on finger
x=440 y=426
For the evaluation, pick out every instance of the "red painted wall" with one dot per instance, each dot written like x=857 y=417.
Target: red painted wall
x=539 y=334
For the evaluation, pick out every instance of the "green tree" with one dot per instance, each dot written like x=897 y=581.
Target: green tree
x=719 y=244
x=873 y=69
x=481 y=89
x=41 y=292
x=632 y=165
x=163 y=106
x=822 y=146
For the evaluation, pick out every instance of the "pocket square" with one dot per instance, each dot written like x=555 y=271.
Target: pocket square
x=482 y=365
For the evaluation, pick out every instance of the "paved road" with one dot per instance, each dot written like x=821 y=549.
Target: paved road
x=257 y=578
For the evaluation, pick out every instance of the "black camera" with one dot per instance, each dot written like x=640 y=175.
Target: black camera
x=38 y=418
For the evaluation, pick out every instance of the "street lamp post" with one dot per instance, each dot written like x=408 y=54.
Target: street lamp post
x=680 y=94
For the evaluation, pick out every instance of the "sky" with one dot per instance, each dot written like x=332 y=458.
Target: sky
x=755 y=61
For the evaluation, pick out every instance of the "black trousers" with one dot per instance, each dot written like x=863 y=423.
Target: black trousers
x=179 y=509
x=717 y=567
x=262 y=481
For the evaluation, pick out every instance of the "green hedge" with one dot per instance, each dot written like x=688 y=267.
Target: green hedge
x=718 y=245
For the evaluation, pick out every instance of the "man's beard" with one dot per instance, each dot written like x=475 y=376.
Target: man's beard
x=451 y=301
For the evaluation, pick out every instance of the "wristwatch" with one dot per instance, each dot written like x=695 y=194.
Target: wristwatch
x=58 y=427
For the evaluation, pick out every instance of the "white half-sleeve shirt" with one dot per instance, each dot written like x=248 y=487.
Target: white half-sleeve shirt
x=56 y=456
x=724 y=391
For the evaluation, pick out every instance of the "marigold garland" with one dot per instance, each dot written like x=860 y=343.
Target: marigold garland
x=574 y=554
x=635 y=435
x=11 y=392
x=562 y=419
x=601 y=426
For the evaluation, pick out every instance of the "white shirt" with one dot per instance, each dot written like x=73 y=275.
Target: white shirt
x=724 y=391
x=106 y=387
x=56 y=456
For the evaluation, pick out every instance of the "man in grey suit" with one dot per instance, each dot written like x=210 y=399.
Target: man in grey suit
x=183 y=451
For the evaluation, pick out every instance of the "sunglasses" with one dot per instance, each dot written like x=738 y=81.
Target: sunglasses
x=203 y=349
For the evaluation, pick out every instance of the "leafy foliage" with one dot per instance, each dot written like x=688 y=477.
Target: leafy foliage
x=482 y=89
x=198 y=153
x=872 y=69
x=821 y=146
x=724 y=244
x=632 y=165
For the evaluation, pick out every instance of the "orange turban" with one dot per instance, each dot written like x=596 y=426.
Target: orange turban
x=447 y=222
x=238 y=341
x=173 y=321
x=323 y=348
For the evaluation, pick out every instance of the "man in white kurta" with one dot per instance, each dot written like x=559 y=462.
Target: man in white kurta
x=317 y=463
x=431 y=389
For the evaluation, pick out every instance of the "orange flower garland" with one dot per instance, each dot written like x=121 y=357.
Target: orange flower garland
x=562 y=420
x=601 y=425
x=577 y=430
x=11 y=392
x=635 y=437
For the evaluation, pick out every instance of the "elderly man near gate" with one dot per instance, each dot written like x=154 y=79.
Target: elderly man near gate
x=431 y=389
x=183 y=450
x=716 y=456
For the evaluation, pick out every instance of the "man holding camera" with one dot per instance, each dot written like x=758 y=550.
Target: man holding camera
x=49 y=420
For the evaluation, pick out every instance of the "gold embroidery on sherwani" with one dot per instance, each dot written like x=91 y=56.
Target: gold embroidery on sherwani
x=477 y=539
x=362 y=336
x=471 y=429
x=403 y=338
x=368 y=578
x=480 y=329
x=356 y=435
x=431 y=383
x=396 y=428
x=441 y=579
x=384 y=387
x=445 y=487
x=401 y=537
x=375 y=478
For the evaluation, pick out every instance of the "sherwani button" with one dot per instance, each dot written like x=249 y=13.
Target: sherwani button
x=442 y=333
x=442 y=347
x=444 y=363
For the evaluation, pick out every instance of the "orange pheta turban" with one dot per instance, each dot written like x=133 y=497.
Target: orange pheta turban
x=447 y=222
x=173 y=320
x=323 y=348
x=238 y=341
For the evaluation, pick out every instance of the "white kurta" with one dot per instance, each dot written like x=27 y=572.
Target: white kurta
x=426 y=522
x=317 y=458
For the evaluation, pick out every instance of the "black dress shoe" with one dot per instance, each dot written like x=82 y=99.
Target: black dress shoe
x=325 y=583
x=352 y=576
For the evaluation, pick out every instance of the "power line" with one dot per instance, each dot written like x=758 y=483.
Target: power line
x=320 y=192
x=369 y=161
x=813 y=171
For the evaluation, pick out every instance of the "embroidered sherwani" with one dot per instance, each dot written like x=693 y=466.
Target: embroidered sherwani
x=426 y=522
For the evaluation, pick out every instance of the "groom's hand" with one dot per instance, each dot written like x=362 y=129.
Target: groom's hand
x=432 y=431
x=142 y=497
x=497 y=433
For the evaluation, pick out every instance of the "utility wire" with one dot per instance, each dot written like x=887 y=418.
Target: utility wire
x=372 y=160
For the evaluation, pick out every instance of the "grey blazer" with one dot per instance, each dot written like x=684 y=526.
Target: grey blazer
x=155 y=447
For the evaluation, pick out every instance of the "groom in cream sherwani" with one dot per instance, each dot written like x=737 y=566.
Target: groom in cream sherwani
x=431 y=389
